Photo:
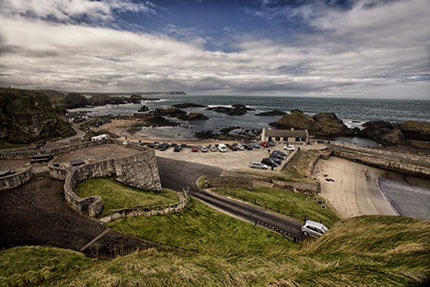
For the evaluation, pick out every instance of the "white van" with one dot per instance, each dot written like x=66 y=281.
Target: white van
x=100 y=137
x=313 y=228
x=222 y=147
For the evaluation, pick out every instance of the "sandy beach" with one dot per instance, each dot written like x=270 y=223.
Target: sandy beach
x=352 y=188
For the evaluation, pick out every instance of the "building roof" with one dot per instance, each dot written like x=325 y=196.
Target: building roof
x=287 y=133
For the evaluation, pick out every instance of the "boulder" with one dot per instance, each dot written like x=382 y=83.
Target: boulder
x=271 y=113
x=143 y=109
x=296 y=119
x=377 y=129
x=416 y=130
x=235 y=110
x=395 y=137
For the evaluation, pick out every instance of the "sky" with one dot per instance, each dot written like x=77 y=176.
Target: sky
x=322 y=48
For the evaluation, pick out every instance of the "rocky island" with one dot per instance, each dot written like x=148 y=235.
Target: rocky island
x=235 y=110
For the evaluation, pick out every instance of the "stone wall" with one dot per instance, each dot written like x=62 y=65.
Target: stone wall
x=138 y=171
x=149 y=210
x=394 y=161
x=16 y=179
x=28 y=153
x=302 y=187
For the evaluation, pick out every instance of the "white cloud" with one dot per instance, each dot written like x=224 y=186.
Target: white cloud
x=361 y=52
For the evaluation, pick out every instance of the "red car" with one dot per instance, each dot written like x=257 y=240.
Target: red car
x=195 y=149
x=265 y=144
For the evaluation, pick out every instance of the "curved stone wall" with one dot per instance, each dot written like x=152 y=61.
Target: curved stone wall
x=139 y=171
x=16 y=179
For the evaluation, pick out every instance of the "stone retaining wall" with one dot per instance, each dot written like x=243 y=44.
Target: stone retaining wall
x=300 y=186
x=139 y=171
x=148 y=210
x=28 y=153
x=403 y=163
x=16 y=179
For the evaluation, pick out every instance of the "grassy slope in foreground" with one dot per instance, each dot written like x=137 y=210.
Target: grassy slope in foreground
x=361 y=251
x=117 y=196
x=290 y=203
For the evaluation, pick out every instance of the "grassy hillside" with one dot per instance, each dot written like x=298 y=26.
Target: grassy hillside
x=362 y=251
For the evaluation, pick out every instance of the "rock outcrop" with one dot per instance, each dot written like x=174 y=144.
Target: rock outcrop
x=194 y=117
x=27 y=116
x=322 y=124
x=271 y=113
x=235 y=110
x=75 y=100
x=188 y=105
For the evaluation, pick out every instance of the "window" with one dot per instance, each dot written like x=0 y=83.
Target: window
x=277 y=139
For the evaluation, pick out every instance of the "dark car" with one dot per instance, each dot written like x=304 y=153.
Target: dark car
x=178 y=148
x=280 y=152
x=274 y=154
x=248 y=146
x=234 y=147
x=271 y=143
x=269 y=162
x=163 y=146
x=276 y=159
x=150 y=145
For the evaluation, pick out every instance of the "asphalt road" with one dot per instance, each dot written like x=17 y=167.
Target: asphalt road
x=176 y=174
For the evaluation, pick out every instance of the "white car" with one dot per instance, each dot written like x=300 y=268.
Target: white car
x=126 y=142
x=313 y=228
x=204 y=149
x=240 y=147
x=259 y=165
x=222 y=147
x=213 y=148
x=289 y=147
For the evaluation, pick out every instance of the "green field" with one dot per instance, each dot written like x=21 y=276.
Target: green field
x=362 y=251
x=292 y=204
x=117 y=196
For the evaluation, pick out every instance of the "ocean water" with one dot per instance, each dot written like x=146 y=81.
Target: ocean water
x=354 y=112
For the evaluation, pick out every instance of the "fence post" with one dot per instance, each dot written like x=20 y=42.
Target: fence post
x=305 y=219
x=266 y=206
x=278 y=207
x=291 y=213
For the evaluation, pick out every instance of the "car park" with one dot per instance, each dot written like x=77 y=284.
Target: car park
x=313 y=228
x=264 y=144
x=222 y=147
x=289 y=147
x=204 y=149
x=259 y=165
x=268 y=161
x=163 y=146
x=178 y=148
x=195 y=149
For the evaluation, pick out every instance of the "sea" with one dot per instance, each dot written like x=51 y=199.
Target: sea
x=354 y=112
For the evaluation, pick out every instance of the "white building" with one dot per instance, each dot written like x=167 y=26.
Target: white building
x=288 y=136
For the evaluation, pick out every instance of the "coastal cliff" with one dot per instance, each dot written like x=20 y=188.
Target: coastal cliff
x=27 y=116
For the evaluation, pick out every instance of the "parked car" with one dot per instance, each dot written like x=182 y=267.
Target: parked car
x=195 y=149
x=222 y=147
x=276 y=159
x=240 y=147
x=234 y=147
x=256 y=145
x=126 y=142
x=204 y=149
x=289 y=147
x=259 y=165
x=270 y=162
x=213 y=148
x=275 y=155
x=163 y=146
x=313 y=228
x=156 y=145
x=280 y=153
x=271 y=143
x=178 y=148
x=264 y=144
x=150 y=145
x=248 y=146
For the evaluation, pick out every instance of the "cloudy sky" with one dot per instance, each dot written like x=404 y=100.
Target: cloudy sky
x=351 y=48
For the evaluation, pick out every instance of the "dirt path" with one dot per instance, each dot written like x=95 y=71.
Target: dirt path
x=352 y=188
x=37 y=214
